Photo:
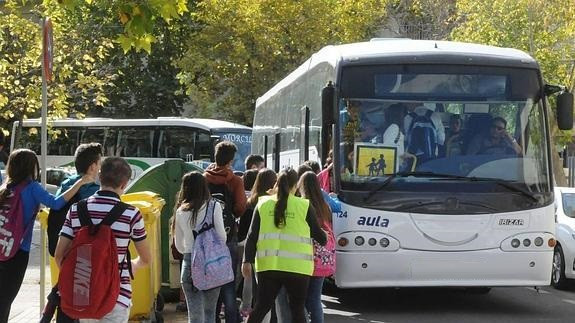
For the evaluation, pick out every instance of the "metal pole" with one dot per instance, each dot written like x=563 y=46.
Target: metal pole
x=43 y=151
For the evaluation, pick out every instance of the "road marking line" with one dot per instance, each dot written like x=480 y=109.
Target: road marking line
x=570 y=301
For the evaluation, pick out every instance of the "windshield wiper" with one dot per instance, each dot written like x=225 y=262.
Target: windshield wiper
x=499 y=182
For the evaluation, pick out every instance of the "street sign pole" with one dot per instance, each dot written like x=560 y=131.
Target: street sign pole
x=46 y=76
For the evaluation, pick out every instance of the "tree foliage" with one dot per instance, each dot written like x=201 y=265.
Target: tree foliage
x=80 y=78
x=138 y=18
x=244 y=46
x=543 y=28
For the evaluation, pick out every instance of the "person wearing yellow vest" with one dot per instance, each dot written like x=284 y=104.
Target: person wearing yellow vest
x=279 y=243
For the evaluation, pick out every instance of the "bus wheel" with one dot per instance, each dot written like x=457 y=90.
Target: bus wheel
x=558 y=279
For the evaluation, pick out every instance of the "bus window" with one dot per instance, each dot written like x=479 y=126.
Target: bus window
x=31 y=139
x=203 y=148
x=63 y=142
x=93 y=135
x=177 y=143
x=110 y=145
x=136 y=142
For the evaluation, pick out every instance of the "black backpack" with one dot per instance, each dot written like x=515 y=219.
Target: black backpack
x=223 y=195
x=56 y=220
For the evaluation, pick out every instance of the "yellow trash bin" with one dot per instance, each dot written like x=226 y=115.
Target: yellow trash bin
x=148 y=280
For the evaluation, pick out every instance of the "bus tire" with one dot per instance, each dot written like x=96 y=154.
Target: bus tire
x=558 y=279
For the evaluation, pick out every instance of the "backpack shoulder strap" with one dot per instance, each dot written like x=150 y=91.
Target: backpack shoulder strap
x=414 y=117
x=115 y=213
x=428 y=115
x=83 y=214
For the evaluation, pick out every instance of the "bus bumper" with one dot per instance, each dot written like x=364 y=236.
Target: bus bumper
x=415 y=268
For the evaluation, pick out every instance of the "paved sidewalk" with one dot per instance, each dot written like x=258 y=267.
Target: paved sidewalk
x=26 y=306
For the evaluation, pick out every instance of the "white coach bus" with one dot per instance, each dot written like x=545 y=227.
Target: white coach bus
x=143 y=142
x=441 y=159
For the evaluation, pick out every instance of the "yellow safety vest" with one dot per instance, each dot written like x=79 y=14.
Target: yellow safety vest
x=288 y=248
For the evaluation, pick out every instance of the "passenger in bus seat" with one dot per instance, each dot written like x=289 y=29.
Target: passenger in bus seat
x=454 y=137
x=495 y=141
x=394 y=135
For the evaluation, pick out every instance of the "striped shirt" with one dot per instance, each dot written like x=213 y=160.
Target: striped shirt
x=130 y=226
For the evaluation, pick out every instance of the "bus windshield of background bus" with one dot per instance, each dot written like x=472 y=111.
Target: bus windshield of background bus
x=483 y=123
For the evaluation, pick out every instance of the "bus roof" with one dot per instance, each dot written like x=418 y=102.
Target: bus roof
x=401 y=51
x=206 y=124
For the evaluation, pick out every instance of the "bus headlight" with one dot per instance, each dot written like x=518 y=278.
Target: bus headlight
x=342 y=242
x=529 y=241
x=384 y=242
x=359 y=241
x=372 y=242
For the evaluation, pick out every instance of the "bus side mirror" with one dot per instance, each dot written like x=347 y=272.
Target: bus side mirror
x=327 y=103
x=565 y=111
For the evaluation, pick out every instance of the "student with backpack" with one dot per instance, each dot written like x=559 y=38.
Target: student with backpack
x=196 y=208
x=92 y=252
x=87 y=160
x=20 y=199
x=323 y=256
x=424 y=132
x=281 y=262
x=228 y=188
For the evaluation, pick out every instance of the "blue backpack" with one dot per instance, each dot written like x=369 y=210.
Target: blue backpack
x=211 y=260
x=422 y=137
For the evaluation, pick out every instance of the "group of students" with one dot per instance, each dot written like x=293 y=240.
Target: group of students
x=280 y=230
x=282 y=233
x=99 y=185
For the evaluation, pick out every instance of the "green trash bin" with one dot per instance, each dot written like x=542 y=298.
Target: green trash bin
x=165 y=180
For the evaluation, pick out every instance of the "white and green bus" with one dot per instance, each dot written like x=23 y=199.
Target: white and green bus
x=143 y=142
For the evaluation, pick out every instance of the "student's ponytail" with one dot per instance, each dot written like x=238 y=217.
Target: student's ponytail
x=287 y=180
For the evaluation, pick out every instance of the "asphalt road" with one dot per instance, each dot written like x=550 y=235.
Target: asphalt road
x=518 y=304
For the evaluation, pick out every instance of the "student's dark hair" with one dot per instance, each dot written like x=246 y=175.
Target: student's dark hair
x=86 y=155
x=287 y=179
x=115 y=172
x=315 y=167
x=253 y=159
x=302 y=169
x=500 y=120
x=22 y=166
x=193 y=194
x=2 y=137
x=394 y=114
x=250 y=178
x=225 y=152
x=309 y=189
x=265 y=181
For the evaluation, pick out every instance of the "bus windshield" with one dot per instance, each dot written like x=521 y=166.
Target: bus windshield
x=477 y=132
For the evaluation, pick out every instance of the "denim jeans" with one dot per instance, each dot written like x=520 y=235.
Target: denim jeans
x=313 y=300
x=201 y=304
x=283 y=311
x=228 y=291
